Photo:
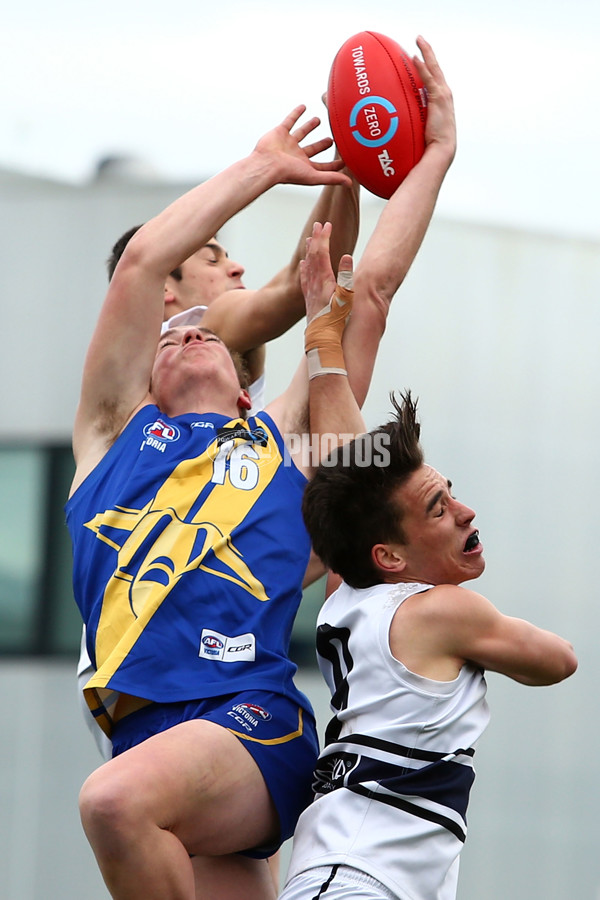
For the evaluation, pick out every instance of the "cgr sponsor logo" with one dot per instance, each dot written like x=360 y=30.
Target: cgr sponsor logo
x=224 y=648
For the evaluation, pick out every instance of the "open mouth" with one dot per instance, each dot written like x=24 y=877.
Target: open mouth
x=472 y=542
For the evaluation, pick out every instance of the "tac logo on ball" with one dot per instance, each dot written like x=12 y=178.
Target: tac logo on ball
x=372 y=114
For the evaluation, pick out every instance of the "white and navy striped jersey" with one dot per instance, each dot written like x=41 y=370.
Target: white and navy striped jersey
x=392 y=783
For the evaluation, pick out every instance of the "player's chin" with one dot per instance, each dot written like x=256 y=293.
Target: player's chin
x=474 y=567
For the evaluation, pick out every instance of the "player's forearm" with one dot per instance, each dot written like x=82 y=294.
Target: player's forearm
x=190 y=221
x=514 y=647
x=403 y=224
x=280 y=304
x=338 y=204
x=546 y=659
x=333 y=409
x=335 y=418
x=134 y=304
x=386 y=260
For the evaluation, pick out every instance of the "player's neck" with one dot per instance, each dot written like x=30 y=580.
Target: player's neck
x=199 y=399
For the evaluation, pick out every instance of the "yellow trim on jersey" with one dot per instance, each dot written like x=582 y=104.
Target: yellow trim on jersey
x=173 y=550
x=284 y=739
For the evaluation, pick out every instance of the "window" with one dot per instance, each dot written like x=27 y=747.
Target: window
x=37 y=610
x=22 y=490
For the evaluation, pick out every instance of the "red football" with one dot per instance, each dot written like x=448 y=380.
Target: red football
x=377 y=111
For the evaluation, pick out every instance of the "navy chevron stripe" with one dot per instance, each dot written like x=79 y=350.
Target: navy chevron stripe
x=407 y=806
x=444 y=782
x=363 y=740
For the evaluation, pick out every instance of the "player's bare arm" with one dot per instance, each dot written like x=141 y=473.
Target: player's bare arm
x=247 y=319
x=332 y=405
x=400 y=230
x=512 y=646
x=436 y=632
x=115 y=379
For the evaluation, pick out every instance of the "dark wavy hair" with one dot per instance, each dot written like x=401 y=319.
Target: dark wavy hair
x=349 y=507
x=117 y=250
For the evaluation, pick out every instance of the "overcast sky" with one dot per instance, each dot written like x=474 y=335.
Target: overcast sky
x=189 y=86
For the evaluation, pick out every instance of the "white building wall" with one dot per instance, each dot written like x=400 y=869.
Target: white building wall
x=497 y=332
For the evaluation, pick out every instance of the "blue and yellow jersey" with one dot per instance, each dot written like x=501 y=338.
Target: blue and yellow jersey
x=189 y=552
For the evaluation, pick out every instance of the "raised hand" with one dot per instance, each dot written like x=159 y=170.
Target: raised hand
x=441 y=124
x=328 y=304
x=316 y=273
x=291 y=163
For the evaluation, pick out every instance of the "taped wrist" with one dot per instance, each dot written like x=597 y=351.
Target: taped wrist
x=323 y=335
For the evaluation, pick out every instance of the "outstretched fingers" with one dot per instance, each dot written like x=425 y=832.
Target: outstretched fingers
x=290 y=162
x=429 y=60
x=305 y=129
x=318 y=146
x=316 y=274
x=441 y=125
x=292 y=117
x=317 y=277
x=429 y=69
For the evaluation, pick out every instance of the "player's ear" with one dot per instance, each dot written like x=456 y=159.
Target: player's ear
x=388 y=558
x=244 y=401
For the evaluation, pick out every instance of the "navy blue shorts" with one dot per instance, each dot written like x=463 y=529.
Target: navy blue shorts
x=280 y=735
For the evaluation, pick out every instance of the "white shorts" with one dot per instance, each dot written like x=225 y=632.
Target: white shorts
x=335 y=883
